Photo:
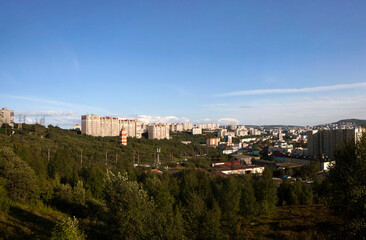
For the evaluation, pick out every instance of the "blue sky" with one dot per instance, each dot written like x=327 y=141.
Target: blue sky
x=244 y=62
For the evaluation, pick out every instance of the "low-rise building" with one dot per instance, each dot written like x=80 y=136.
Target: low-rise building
x=240 y=169
x=213 y=142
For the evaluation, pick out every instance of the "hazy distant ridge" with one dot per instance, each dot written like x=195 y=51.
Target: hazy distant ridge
x=354 y=121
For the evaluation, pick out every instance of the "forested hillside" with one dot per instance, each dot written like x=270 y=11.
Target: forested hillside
x=55 y=182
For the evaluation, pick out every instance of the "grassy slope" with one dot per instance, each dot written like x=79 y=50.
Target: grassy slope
x=28 y=222
x=294 y=222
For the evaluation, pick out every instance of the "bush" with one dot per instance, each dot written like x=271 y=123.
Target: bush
x=68 y=230
x=4 y=200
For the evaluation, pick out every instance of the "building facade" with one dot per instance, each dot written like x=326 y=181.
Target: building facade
x=123 y=137
x=323 y=143
x=213 y=142
x=158 y=131
x=196 y=131
x=107 y=126
x=7 y=116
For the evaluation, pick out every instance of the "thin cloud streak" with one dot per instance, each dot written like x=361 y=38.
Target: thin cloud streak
x=294 y=90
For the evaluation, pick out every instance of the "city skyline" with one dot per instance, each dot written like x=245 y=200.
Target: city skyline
x=250 y=63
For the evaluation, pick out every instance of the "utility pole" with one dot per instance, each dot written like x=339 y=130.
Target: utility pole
x=49 y=155
x=116 y=158
x=106 y=157
x=133 y=158
x=157 y=155
x=138 y=157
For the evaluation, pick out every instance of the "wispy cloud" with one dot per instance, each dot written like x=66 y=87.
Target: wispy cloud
x=155 y=119
x=45 y=113
x=60 y=104
x=294 y=90
x=228 y=121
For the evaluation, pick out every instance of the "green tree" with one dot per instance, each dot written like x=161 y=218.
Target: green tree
x=265 y=192
x=68 y=230
x=131 y=209
x=166 y=219
x=347 y=186
x=4 y=200
x=248 y=202
x=21 y=180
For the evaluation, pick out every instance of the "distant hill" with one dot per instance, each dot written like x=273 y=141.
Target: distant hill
x=357 y=122
x=275 y=126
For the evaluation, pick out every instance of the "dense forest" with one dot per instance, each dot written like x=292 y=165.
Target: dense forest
x=59 y=184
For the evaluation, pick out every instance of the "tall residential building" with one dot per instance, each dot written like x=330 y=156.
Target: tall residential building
x=280 y=137
x=6 y=116
x=239 y=132
x=209 y=126
x=187 y=126
x=222 y=133
x=176 y=127
x=107 y=126
x=325 y=142
x=158 y=131
x=123 y=137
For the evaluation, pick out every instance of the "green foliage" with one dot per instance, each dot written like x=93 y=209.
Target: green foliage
x=265 y=192
x=4 y=200
x=295 y=193
x=347 y=186
x=94 y=178
x=6 y=129
x=68 y=230
x=308 y=171
x=248 y=202
x=21 y=180
x=192 y=203
x=131 y=209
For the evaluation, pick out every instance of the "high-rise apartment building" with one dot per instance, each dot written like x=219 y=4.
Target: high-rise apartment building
x=323 y=143
x=187 y=126
x=158 y=131
x=6 y=116
x=196 y=131
x=123 y=137
x=107 y=126
x=209 y=126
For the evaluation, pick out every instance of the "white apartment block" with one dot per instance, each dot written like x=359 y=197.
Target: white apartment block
x=240 y=132
x=222 y=133
x=253 y=131
x=176 y=127
x=187 y=126
x=6 y=116
x=196 y=131
x=158 y=131
x=209 y=126
x=107 y=126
